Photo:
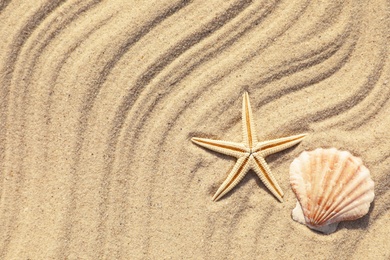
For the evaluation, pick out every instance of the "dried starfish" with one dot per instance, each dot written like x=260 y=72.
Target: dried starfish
x=250 y=154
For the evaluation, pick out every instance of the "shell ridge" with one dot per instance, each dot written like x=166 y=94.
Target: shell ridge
x=327 y=169
x=335 y=198
x=334 y=190
x=350 y=193
x=360 y=200
x=298 y=180
x=316 y=183
x=352 y=210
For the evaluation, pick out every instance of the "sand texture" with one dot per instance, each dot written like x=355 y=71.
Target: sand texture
x=99 y=100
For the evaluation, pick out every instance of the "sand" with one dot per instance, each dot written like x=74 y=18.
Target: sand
x=99 y=100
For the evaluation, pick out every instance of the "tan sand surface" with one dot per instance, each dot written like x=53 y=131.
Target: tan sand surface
x=99 y=100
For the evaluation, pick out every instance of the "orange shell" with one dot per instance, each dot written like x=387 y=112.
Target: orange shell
x=331 y=186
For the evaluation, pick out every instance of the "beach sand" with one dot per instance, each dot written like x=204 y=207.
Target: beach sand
x=99 y=101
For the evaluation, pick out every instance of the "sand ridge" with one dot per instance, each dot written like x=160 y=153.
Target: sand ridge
x=99 y=100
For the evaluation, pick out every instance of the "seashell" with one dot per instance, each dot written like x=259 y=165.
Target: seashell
x=331 y=186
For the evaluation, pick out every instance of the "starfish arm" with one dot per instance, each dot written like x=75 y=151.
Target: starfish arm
x=264 y=173
x=248 y=124
x=273 y=146
x=229 y=148
x=235 y=176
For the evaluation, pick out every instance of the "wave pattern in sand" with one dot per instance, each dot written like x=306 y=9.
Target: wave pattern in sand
x=99 y=100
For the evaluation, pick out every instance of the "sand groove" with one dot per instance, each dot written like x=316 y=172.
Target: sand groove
x=99 y=100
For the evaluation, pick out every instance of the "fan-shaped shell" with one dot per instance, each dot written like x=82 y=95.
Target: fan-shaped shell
x=331 y=186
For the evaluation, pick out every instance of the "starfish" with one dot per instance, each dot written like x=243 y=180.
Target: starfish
x=250 y=154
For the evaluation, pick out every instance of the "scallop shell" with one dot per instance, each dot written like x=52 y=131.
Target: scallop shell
x=331 y=186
